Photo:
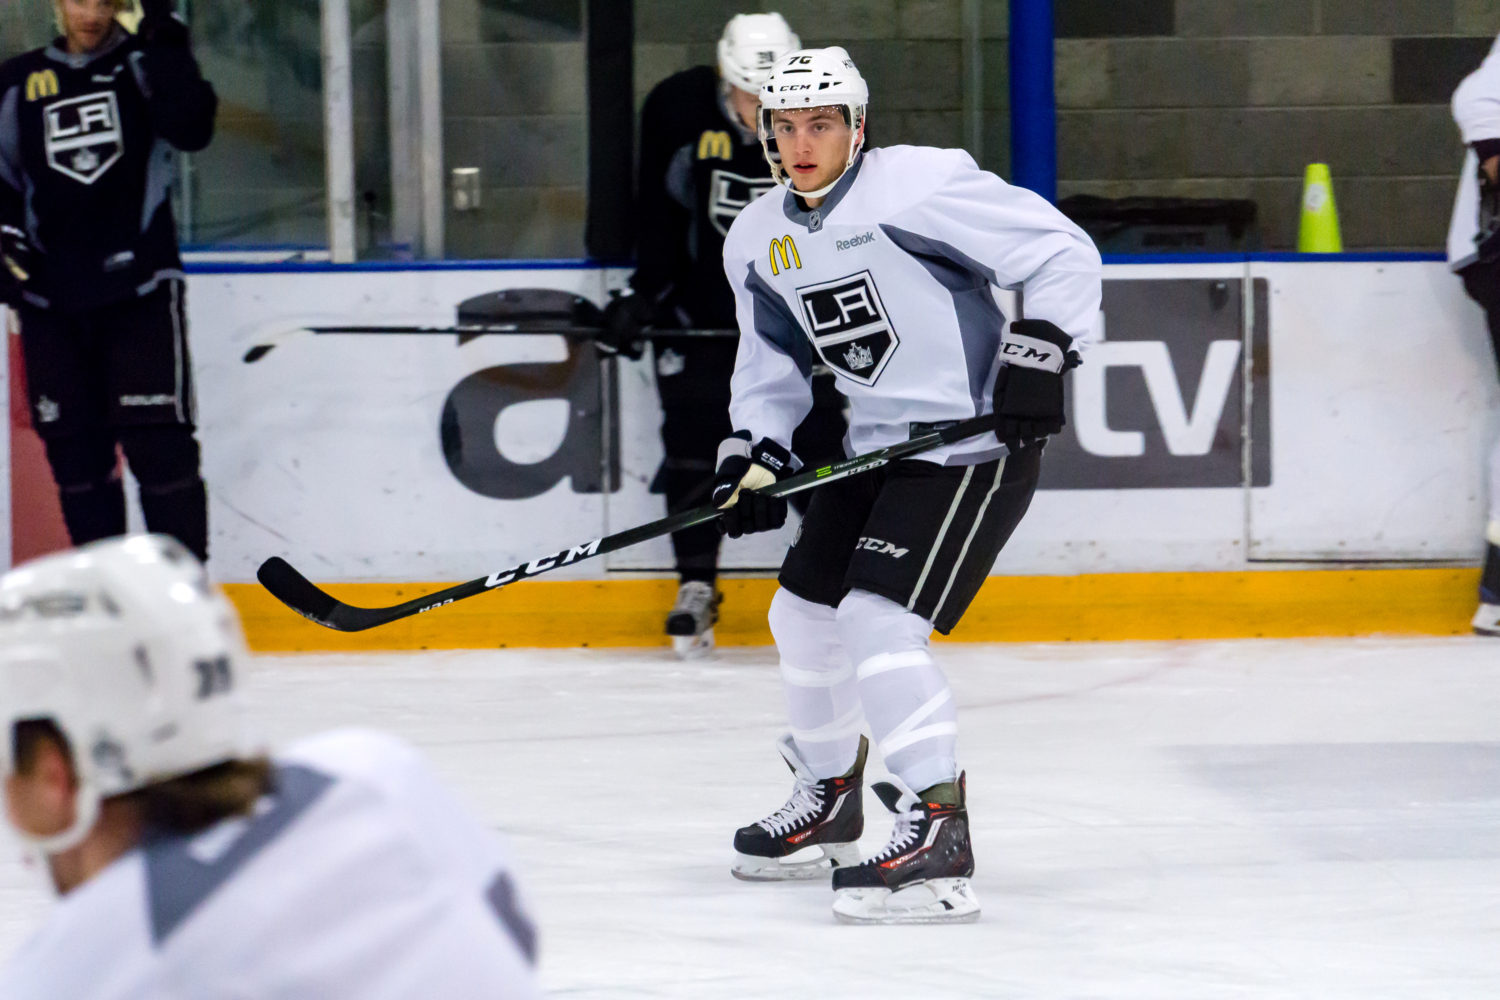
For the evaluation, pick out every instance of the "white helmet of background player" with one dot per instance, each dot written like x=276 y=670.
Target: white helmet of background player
x=750 y=46
x=125 y=646
x=813 y=78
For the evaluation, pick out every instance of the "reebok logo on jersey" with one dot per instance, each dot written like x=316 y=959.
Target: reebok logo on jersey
x=880 y=547
x=854 y=241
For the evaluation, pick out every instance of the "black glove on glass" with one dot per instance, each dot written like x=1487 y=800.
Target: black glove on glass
x=625 y=318
x=1029 y=387
x=743 y=470
x=160 y=24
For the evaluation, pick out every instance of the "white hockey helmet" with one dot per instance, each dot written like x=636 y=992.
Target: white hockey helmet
x=125 y=646
x=750 y=46
x=813 y=78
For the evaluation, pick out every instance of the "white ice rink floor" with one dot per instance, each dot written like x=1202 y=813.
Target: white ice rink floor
x=1258 y=819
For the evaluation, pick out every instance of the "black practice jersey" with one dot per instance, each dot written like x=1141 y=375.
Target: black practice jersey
x=86 y=164
x=698 y=168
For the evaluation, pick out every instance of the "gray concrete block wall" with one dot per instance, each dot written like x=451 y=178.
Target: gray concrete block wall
x=1240 y=95
x=1203 y=98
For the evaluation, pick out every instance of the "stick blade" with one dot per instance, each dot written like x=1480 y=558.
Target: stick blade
x=304 y=597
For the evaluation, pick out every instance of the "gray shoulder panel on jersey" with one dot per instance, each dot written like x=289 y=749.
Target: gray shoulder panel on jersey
x=776 y=324
x=10 y=138
x=161 y=173
x=177 y=882
x=501 y=895
x=679 y=179
x=980 y=321
x=139 y=72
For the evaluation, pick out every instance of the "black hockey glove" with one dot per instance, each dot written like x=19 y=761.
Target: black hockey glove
x=1029 y=387
x=625 y=318
x=17 y=255
x=160 y=24
x=743 y=470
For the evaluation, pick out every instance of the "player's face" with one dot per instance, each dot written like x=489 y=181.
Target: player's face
x=86 y=23
x=744 y=105
x=814 y=145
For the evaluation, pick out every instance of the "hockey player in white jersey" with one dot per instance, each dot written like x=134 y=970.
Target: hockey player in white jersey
x=884 y=265
x=189 y=865
x=1474 y=252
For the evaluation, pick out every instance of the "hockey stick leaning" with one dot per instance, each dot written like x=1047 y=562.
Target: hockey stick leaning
x=304 y=597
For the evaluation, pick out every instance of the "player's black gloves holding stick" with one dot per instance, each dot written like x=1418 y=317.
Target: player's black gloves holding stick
x=744 y=469
x=1029 y=387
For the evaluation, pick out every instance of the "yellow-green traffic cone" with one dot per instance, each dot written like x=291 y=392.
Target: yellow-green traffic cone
x=1319 y=231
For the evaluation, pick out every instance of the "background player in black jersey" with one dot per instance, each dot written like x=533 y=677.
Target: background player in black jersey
x=700 y=163
x=88 y=129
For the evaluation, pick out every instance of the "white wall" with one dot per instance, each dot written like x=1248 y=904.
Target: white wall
x=1382 y=397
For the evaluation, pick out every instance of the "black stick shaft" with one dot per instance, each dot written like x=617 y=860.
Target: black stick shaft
x=294 y=590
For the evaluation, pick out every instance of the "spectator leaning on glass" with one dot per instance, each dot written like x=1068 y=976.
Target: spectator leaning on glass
x=700 y=164
x=88 y=126
x=1474 y=252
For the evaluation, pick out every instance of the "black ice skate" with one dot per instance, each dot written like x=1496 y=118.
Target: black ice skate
x=690 y=623
x=922 y=876
x=826 y=815
x=1487 y=618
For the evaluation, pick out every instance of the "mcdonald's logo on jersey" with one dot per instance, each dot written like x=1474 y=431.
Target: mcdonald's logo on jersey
x=784 y=252
x=42 y=83
x=713 y=145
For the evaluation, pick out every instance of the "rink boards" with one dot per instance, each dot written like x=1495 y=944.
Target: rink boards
x=1268 y=445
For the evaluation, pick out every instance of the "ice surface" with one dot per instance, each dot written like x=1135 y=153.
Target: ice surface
x=1258 y=819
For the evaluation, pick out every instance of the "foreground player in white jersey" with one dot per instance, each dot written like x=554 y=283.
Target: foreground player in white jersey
x=187 y=865
x=884 y=266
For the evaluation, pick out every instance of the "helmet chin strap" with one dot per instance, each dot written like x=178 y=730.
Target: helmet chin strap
x=86 y=813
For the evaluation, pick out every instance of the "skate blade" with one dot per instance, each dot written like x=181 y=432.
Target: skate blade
x=693 y=647
x=749 y=868
x=937 y=901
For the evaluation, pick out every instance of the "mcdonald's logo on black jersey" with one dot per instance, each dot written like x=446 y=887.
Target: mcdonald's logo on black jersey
x=41 y=84
x=715 y=145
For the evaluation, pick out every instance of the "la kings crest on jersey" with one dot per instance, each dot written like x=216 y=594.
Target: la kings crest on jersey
x=729 y=193
x=849 y=326
x=82 y=135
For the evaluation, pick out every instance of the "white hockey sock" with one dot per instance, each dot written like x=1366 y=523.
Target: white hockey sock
x=905 y=696
x=822 y=697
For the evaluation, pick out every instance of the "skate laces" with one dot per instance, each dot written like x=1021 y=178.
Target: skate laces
x=903 y=835
x=806 y=800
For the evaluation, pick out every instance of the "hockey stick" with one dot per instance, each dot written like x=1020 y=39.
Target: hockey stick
x=510 y=311
x=304 y=597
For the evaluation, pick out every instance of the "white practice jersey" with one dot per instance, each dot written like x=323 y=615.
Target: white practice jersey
x=892 y=283
x=361 y=877
x=1476 y=109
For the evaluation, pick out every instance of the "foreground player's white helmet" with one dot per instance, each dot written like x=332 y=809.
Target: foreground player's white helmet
x=125 y=646
x=813 y=78
x=750 y=46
